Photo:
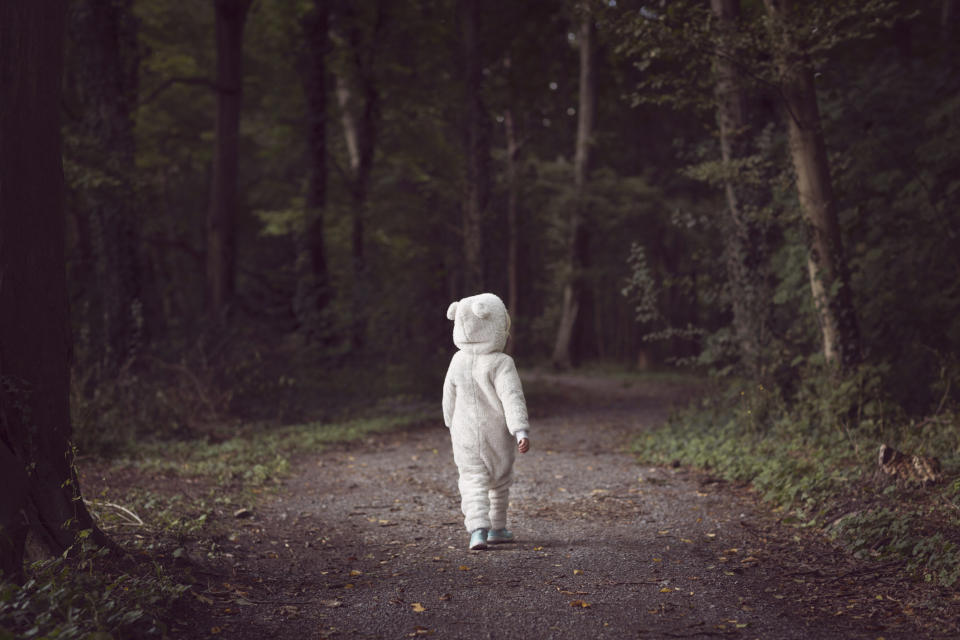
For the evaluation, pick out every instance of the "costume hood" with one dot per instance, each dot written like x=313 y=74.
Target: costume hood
x=481 y=323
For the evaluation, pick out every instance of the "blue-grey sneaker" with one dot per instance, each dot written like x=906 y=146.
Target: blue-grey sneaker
x=478 y=540
x=496 y=536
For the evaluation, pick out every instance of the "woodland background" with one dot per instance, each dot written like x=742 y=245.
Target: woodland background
x=342 y=171
x=269 y=204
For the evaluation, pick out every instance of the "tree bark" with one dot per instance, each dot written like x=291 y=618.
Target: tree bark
x=230 y=17
x=745 y=244
x=948 y=23
x=477 y=138
x=34 y=323
x=513 y=188
x=577 y=244
x=107 y=64
x=826 y=262
x=313 y=285
x=359 y=101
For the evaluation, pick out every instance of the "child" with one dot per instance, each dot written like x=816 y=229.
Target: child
x=484 y=408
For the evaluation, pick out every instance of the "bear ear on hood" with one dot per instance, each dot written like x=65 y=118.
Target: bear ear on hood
x=480 y=309
x=452 y=310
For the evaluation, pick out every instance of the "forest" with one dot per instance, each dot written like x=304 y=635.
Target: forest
x=218 y=213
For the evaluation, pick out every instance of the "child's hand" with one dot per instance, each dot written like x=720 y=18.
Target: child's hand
x=523 y=445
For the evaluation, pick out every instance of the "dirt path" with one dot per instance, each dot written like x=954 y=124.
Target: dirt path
x=367 y=542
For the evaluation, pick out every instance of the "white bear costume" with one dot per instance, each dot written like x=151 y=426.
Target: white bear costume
x=484 y=408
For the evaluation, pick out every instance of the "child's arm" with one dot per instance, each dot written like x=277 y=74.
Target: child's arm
x=449 y=394
x=510 y=392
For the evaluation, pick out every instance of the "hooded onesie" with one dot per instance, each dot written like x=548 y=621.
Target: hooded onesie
x=484 y=408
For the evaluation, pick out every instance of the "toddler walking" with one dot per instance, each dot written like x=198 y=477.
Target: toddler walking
x=484 y=408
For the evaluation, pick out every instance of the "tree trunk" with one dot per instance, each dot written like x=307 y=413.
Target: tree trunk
x=477 y=150
x=948 y=23
x=107 y=63
x=745 y=245
x=573 y=289
x=34 y=323
x=231 y=16
x=826 y=263
x=512 y=233
x=359 y=102
x=313 y=286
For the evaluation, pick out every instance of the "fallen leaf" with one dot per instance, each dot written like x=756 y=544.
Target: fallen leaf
x=657 y=560
x=445 y=597
x=463 y=567
x=332 y=603
x=579 y=603
x=577 y=572
x=687 y=540
x=349 y=585
x=666 y=590
x=242 y=513
x=418 y=608
x=538 y=548
x=215 y=629
x=356 y=572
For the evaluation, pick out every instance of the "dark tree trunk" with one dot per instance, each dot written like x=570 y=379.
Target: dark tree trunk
x=106 y=66
x=826 y=262
x=230 y=16
x=513 y=188
x=313 y=283
x=513 y=197
x=359 y=102
x=745 y=237
x=577 y=244
x=34 y=322
x=477 y=136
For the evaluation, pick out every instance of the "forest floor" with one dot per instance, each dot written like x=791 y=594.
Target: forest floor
x=365 y=540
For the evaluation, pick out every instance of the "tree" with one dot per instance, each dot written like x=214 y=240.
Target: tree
x=313 y=285
x=34 y=327
x=574 y=287
x=477 y=148
x=745 y=245
x=359 y=102
x=826 y=262
x=105 y=65
x=231 y=16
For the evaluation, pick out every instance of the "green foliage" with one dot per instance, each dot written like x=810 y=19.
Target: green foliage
x=259 y=454
x=814 y=457
x=66 y=598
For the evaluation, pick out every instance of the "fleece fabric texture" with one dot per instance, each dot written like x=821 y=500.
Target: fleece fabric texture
x=484 y=407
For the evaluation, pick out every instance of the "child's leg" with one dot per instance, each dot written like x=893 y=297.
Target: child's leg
x=474 y=499
x=499 y=499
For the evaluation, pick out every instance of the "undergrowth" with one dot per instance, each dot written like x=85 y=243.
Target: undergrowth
x=77 y=596
x=80 y=596
x=815 y=459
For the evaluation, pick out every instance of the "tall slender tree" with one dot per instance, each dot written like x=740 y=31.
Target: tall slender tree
x=105 y=66
x=359 y=100
x=574 y=286
x=34 y=325
x=477 y=145
x=230 y=19
x=826 y=262
x=313 y=282
x=744 y=238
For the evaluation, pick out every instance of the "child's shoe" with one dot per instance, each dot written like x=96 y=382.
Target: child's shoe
x=497 y=536
x=478 y=540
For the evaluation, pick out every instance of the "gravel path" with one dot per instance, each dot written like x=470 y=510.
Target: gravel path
x=367 y=541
